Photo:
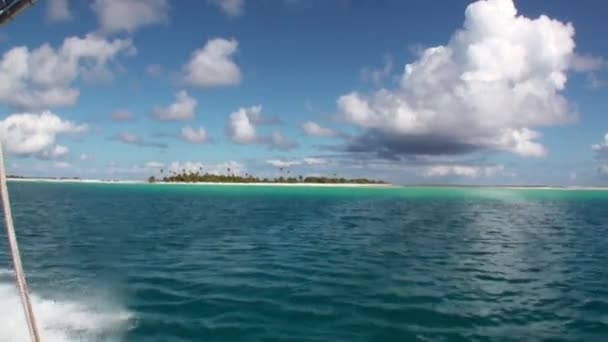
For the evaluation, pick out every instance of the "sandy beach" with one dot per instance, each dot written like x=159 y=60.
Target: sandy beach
x=329 y=185
x=99 y=181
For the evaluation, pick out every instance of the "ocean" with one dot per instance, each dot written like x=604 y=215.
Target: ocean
x=138 y=262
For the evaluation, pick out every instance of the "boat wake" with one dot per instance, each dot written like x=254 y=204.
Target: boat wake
x=60 y=320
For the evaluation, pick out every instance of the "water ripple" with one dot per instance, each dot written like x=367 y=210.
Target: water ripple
x=224 y=264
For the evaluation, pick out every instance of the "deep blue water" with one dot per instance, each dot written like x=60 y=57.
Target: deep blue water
x=213 y=263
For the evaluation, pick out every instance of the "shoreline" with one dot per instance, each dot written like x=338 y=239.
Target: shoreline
x=328 y=185
x=336 y=185
x=99 y=181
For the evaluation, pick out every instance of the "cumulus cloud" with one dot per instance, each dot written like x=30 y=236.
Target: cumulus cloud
x=469 y=171
x=279 y=142
x=57 y=152
x=182 y=109
x=230 y=7
x=495 y=81
x=129 y=15
x=315 y=161
x=193 y=135
x=283 y=163
x=241 y=128
x=32 y=134
x=42 y=78
x=309 y=161
x=601 y=148
x=212 y=65
x=58 y=10
x=136 y=140
x=314 y=129
x=601 y=155
x=122 y=115
x=84 y=156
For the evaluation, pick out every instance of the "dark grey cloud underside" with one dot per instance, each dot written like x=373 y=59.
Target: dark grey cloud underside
x=396 y=147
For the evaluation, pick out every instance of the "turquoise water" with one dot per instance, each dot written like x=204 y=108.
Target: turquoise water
x=227 y=263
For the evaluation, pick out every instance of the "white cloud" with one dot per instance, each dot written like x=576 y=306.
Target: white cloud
x=128 y=138
x=230 y=7
x=129 y=15
x=242 y=124
x=283 y=163
x=497 y=79
x=587 y=63
x=278 y=141
x=314 y=129
x=212 y=65
x=58 y=10
x=36 y=134
x=377 y=76
x=154 y=165
x=470 y=171
x=84 y=156
x=43 y=77
x=56 y=152
x=136 y=140
x=192 y=135
x=240 y=127
x=182 y=109
x=601 y=155
x=314 y=161
x=590 y=65
x=121 y=115
x=216 y=169
x=187 y=166
x=602 y=147
x=310 y=161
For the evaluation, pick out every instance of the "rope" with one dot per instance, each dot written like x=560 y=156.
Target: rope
x=14 y=249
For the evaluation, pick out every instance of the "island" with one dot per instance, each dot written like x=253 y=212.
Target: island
x=197 y=177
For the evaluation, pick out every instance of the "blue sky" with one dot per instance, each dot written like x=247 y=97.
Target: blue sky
x=496 y=93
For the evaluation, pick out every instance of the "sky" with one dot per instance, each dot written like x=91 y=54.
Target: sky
x=410 y=92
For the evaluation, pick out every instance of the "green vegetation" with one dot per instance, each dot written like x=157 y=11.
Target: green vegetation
x=197 y=177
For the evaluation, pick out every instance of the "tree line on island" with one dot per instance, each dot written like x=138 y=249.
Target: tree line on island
x=200 y=177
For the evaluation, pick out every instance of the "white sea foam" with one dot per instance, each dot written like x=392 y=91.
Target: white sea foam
x=60 y=320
